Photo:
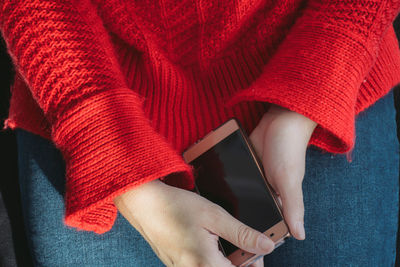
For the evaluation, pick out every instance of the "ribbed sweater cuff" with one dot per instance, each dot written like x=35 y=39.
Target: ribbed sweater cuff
x=317 y=72
x=384 y=75
x=109 y=147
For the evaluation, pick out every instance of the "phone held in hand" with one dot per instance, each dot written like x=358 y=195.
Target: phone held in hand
x=228 y=173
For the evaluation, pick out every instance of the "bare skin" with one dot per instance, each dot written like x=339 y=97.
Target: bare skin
x=183 y=227
x=280 y=140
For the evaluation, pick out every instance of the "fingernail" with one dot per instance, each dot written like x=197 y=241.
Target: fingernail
x=300 y=230
x=265 y=244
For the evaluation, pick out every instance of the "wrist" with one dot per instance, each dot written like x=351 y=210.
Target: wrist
x=293 y=118
x=132 y=197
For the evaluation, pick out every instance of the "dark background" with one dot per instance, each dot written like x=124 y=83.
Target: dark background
x=13 y=243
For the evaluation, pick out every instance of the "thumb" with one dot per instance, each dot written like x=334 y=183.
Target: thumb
x=239 y=234
x=291 y=196
x=284 y=163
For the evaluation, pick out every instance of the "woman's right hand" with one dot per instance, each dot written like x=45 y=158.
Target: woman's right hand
x=183 y=227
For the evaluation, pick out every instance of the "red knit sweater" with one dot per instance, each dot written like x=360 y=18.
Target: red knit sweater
x=123 y=87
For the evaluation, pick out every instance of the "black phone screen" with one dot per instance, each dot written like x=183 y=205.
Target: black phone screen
x=227 y=175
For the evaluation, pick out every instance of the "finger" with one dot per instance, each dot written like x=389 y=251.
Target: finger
x=239 y=234
x=291 y=195
x=214 y=258
x=218 y=259
x=288 y=187
x=287 y=177
x=256 y=139
x=258 y=263
x=284 y=163
x=208 y=251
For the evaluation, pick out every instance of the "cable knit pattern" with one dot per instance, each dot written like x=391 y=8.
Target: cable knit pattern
x=66 y=58
x=322 y=64
x=123 y=87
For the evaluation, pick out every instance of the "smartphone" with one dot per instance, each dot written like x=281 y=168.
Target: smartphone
x=228 y=173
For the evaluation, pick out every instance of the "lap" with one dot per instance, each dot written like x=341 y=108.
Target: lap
x=350 y=208
x=52 y=243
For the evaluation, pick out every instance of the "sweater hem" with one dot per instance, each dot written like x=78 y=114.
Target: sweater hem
x=88 y=218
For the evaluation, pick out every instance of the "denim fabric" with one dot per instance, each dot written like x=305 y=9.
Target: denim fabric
x=7 y=255
x=52 y=244
x=351 y=209
x=350 y=219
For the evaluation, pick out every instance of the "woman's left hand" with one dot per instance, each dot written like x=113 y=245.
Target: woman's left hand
x=280 y=140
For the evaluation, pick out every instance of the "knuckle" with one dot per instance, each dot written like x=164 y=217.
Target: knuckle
x=216 y=212
x=288 y=180
x=192 y=259
x=244 y=236
x=288 y=170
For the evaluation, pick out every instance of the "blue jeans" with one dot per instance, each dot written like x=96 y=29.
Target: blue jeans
x=351 y=209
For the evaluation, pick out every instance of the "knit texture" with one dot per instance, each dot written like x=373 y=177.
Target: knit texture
x=123 y=87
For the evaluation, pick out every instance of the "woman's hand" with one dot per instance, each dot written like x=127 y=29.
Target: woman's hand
x=280 y=140
x=183 y=227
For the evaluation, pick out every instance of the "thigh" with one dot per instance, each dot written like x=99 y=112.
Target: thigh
x=351 y=208
x=52 y=243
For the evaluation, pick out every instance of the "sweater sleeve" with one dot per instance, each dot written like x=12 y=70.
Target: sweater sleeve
x=62 y=51
x=319 y=67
